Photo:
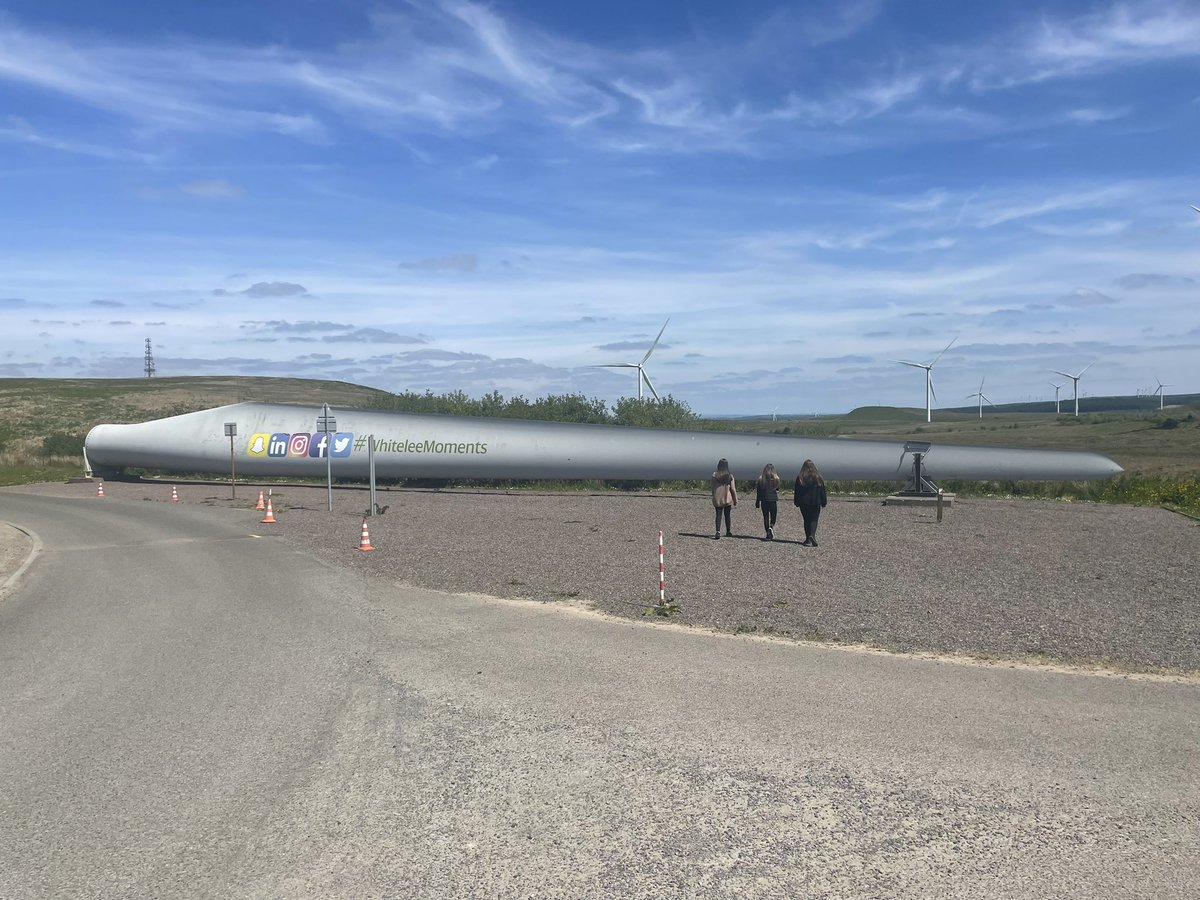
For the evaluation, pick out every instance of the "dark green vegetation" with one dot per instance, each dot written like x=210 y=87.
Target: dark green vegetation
x=665 y=413
x=46 y=421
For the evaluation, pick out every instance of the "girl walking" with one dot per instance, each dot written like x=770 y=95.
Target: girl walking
x=810 y=497
x=724 y=496
x=767 y=498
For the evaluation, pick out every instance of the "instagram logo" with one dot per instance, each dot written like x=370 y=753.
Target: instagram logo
x=298 y=445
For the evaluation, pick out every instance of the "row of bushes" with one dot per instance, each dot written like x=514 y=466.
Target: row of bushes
x=647 y=413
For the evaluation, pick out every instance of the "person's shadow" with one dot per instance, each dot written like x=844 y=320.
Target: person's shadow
x=738 y=537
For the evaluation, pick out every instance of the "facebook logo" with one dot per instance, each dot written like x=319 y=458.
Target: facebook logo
x=318 y=447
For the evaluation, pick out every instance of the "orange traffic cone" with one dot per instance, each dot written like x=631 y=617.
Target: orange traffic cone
x=100 y=489
x=270 y=518
x=261 y=505
x=365 y=542
x=174 y=495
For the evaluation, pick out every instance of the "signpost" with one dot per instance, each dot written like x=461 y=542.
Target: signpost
x=371 y=468
x=327 y=425
x=231 y=433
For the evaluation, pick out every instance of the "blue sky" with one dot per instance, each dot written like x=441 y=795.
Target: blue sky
x=457 y=195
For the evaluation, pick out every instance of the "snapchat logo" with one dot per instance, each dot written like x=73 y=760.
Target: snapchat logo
x=258 y=445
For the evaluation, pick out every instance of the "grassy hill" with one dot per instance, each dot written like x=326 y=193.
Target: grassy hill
x=1143 y=442
x=36 y=409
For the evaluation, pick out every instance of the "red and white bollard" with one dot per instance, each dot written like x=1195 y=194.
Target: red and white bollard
x=662 y=592
x=174 y=494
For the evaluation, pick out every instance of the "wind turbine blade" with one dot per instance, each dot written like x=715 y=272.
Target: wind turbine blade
x=939 y=356
x=1196 y=208
x=914 y=365
x=1063 y=374
x=655 y=344
x=931 y=388
x=1084 y=369
x=646 y=378
x=614 y=366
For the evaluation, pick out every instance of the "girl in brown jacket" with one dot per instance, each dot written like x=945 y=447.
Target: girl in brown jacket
x=724 y=496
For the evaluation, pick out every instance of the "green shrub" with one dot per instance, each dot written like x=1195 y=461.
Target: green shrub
x=59 y=443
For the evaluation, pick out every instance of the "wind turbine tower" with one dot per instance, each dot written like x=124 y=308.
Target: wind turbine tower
x=982 y=398
x=928 y=367
x=1057 y=405
x=1160 y=392
x=1074 y=381
x=640 y=366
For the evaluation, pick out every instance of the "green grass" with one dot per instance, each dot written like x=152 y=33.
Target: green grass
x=1136 y=440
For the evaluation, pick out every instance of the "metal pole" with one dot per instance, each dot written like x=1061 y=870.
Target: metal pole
x=324 y=425
x=371 y=467
x=941 y=497
x=231 y=432
x=662 y=590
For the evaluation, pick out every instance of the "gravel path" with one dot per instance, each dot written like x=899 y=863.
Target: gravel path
x=1081 y=584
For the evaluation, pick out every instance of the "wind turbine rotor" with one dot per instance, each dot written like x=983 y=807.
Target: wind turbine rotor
x=939 y=356
x=646 y=378
x=655 y=344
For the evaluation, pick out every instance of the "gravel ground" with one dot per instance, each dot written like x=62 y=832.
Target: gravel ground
x=1033 y=581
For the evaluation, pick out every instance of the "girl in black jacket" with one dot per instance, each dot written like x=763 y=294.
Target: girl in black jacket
x=768 y=498
x=810 y=497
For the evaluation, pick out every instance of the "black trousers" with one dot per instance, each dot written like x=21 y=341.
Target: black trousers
x=770 y=511
x=727 y=510
x=811 y=516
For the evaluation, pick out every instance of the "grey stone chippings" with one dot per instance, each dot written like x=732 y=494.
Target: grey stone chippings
x=1042 y=581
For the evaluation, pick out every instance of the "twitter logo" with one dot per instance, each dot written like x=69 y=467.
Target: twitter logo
x=343 y=441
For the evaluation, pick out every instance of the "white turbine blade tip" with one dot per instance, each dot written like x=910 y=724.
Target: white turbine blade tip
x=656 y=340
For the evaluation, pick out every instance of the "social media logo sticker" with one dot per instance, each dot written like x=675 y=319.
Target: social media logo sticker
x=278 y=445
x=343 y=441
x=257 y=445
x=319 y=445
x=298 y=445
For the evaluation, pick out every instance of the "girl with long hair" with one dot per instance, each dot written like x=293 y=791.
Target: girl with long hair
x=810 y=497
x=767 y=498
x=724 y=496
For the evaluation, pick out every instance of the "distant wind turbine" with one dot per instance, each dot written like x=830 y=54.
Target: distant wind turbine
x=982 y=398
x=928 y=367
x=1159 y=389
x=1057 y=388
x=640 y=366
x=1075 y=381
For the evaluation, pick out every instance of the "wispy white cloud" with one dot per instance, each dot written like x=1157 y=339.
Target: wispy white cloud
x=17 y=130
x=460 y=65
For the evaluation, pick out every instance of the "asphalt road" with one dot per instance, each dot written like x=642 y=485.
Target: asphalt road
x=189 y=710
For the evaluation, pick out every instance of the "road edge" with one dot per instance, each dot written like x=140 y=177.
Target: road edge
x=9 y=582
